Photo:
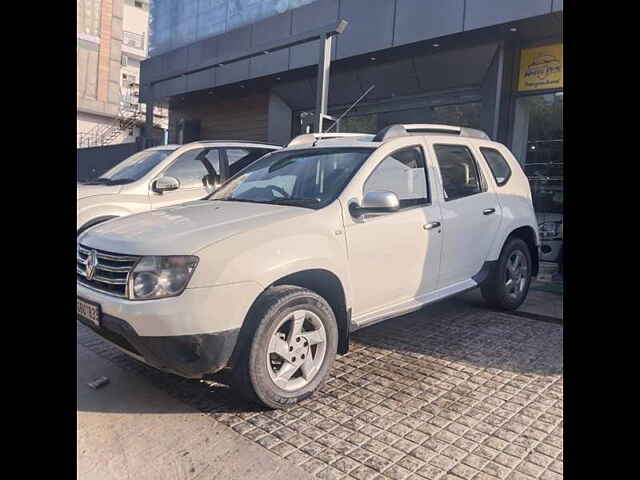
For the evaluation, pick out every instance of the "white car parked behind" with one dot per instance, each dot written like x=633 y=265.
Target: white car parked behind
x=163 y=176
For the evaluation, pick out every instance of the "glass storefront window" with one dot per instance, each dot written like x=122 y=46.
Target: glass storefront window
x=538 y=145
x=464 y=114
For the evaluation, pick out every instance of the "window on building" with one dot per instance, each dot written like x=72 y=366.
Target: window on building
x=460 y=175
x=88 y=17
x=403 y=173
x=498 y=165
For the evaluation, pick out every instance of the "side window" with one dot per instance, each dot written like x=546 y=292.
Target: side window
x=498 y=165
x=240 y=158
x=188 y=169
x=213 y=157
x=460 y=176
x=403 y=173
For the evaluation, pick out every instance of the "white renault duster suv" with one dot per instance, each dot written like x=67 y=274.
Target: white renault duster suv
x=162 y=176
x=271 y=273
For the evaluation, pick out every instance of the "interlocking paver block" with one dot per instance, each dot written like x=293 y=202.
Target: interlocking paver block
x=452 y=391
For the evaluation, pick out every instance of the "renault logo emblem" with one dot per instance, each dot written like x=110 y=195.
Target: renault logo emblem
x=90 y=266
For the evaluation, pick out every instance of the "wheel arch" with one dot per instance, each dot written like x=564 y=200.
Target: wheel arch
x=323 y=282
x=95 y=221
x=326 y=284
x=527 y=234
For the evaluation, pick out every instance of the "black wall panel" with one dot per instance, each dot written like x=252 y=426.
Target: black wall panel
x=306 y=18
x=370 y=26
x=420 y=19
x=483 y=13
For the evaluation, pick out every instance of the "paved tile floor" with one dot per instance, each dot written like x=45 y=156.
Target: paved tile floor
x=453 y=391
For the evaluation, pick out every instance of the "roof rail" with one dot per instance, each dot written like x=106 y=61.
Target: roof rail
x=256 y=142
x=314 y=137
x=393 y=131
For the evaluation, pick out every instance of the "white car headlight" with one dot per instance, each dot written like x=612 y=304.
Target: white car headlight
x=160 y=277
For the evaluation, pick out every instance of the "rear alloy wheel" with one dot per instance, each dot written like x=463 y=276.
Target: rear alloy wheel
x=516 y=274
x=290 y=348
x=508 y=285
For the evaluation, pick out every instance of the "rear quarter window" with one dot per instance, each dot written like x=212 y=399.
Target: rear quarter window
x=498 y=165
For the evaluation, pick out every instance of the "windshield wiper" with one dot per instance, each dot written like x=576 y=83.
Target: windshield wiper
x=97 y=181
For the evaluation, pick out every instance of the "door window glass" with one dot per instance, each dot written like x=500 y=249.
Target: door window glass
x=460 y=177
x=403 y=173
x=188 y=169
x=498 y=165
x=240 y=158
x=213 y=157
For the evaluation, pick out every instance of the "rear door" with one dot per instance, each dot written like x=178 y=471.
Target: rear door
x=470 y=211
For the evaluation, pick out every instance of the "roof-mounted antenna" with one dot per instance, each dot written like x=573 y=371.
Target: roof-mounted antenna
x=350 y=108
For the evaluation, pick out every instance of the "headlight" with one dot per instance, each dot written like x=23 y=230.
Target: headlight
x=550 y=230
x=159 y=277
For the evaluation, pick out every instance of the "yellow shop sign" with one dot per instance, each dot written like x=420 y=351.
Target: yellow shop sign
x=541 y=68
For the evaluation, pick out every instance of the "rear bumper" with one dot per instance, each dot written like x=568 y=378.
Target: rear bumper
x=190 y=356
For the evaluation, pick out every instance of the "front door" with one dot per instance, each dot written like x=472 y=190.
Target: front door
x=197 y=171
x=470 y=213
x=394 y=257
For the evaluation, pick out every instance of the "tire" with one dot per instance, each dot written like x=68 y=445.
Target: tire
x=495 y=290
x=260 y=371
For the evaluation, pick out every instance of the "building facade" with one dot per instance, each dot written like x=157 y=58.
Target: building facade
x=112 y=40
x=496 y=65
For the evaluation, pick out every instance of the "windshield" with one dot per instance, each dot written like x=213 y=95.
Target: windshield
x=309 y=178
x=133 y=168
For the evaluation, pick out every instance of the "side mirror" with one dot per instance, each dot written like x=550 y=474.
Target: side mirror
x=376 y=202
x=165 y=184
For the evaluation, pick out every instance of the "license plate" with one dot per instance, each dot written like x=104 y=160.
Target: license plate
x=89 y=311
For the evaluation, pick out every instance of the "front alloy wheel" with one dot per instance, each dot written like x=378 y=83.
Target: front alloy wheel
x=287 y=347
x=296 y=350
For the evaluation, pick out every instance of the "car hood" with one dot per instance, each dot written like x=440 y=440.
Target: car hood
x=184 y=229
x=85 y=191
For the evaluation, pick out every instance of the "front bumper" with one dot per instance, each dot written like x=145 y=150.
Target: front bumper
x=190 y=335
x=191 y=356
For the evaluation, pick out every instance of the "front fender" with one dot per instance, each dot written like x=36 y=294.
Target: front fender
x=269 y=253
x=90 y=208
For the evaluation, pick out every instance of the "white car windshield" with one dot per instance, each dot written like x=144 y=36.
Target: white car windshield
x=132 y=168
x=310 y=178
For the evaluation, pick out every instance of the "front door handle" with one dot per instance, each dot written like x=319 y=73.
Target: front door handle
x=430 y=226
x=488 y=211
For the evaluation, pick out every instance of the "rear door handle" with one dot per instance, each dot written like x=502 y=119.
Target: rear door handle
x=430 y=226
x=488 y=211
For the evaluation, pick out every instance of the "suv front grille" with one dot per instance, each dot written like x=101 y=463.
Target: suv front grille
x=111 y=273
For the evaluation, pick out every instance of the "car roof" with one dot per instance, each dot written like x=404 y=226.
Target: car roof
x=234 y=142
x=388 y=134
x=170 y=146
